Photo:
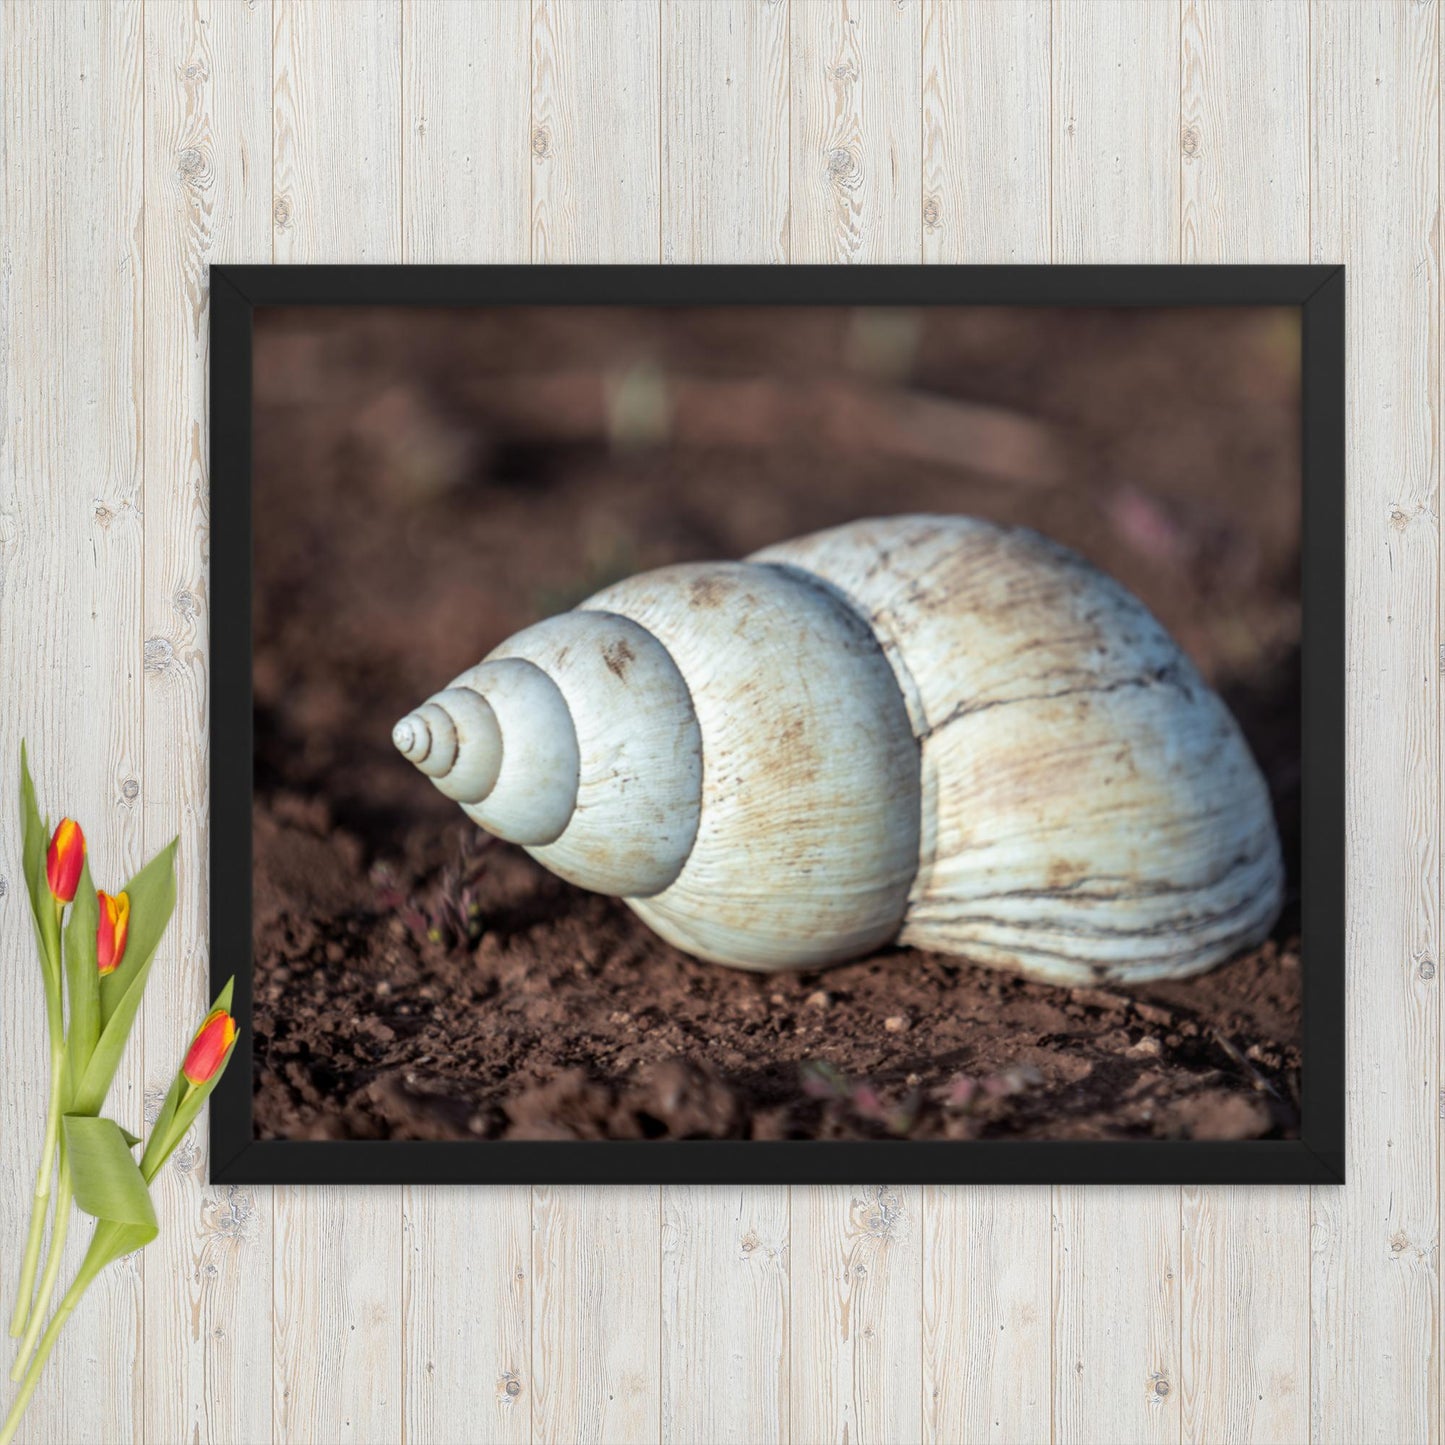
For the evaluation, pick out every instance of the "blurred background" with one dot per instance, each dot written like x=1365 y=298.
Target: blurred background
x=429 y=481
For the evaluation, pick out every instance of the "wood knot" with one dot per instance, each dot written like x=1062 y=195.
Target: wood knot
x=932 y=213
x=159 y=655
x=130 y=790
x=191 y=162
x=1191 y=142
x=281 y=212
x=541 y=143
x=842 y=164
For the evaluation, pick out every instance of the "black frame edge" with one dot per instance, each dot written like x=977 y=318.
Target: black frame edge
x=1317 y=1157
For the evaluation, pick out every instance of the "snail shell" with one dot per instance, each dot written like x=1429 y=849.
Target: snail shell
x=929 y=730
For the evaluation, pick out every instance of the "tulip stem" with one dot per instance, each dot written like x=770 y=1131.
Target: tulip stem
x=47 y=1343
x=54 y=1259
x=40 y=1208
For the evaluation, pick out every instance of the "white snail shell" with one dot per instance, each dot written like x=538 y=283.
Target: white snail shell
x=929 y=730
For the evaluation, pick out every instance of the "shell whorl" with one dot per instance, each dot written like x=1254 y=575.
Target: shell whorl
x=500 y=741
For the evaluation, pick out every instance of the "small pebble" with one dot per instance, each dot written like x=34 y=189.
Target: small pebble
x=777 y=998
x=1147 y=1048
x=895 y=1024
x=819 y=999
x=383 y=989
x=334 y=953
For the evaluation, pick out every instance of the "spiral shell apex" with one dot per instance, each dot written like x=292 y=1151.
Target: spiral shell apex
x=926 y=730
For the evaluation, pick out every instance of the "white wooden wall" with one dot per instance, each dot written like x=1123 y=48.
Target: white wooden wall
x=143 y=139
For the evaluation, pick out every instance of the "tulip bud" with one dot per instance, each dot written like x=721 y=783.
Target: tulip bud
x=110 y=936
x=208 y=1048
x=64 y=860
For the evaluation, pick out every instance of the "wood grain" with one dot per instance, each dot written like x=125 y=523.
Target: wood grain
x=596 y=121
x=1114 y=147
x=207 y=197
x=466 y=155
x=1116 y=1315
x=336 y=168
x=856 y=1360
x=596 y=1292
x=467 y=1268
x=857 y=164
x=1244 y=145
x=1115 y=197
x=725 y=1338
x=725 y=131
x=986 y=132
x=466 y=1321
x=1374 y=186
x=986 y=1325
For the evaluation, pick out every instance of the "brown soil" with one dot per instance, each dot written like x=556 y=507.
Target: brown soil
x=429 y=482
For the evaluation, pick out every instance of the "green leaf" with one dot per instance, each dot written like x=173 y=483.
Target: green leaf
x=185 y=1100
x=152 y=899
x=131 y=1139
x=82 y=978
x=35 y=836
x=108 y=1184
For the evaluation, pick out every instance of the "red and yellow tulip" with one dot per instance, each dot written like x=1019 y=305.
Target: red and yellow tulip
x=64 y=859
x=209 y=1047
x=110 y=936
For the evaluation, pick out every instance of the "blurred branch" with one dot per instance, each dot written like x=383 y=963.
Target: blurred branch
x=837 y=414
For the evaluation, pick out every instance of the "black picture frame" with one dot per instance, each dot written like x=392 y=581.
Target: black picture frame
x=1316 y=1157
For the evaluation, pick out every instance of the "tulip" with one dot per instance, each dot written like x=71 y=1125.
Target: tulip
x=110 y=936
x=64 y=860
x=209 y=1047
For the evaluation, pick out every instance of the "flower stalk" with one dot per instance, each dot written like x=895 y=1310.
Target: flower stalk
x=95 y=950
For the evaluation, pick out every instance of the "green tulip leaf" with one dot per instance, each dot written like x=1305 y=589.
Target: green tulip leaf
x=108 y=1184
x=82 y=979
x=152 y=900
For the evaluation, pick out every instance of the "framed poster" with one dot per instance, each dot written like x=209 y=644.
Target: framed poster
x=732 y=724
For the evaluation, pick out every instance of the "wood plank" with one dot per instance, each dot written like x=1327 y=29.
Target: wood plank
x=724 y=132
x=467 y=1268
x=987 y=1332
x=1114 y=149
x=1244 y=139
x=336 y=163
x=724 y=1304
x=857 y=1329
x=595 y=1319
x=596 y=117
x=857 y=150
x=986 y=132
x=986 y=1327
x=1114 y=163
x=336 y=156
x=724 y=1314
x=466 y=1329
x=208 y=196
x=1244 y=1272
x=1116 y=1315
x=466 y=162
x=336 y=1303
x=70 y=513
x=596 y=157
x=1244 y=131
x=1375 y=193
